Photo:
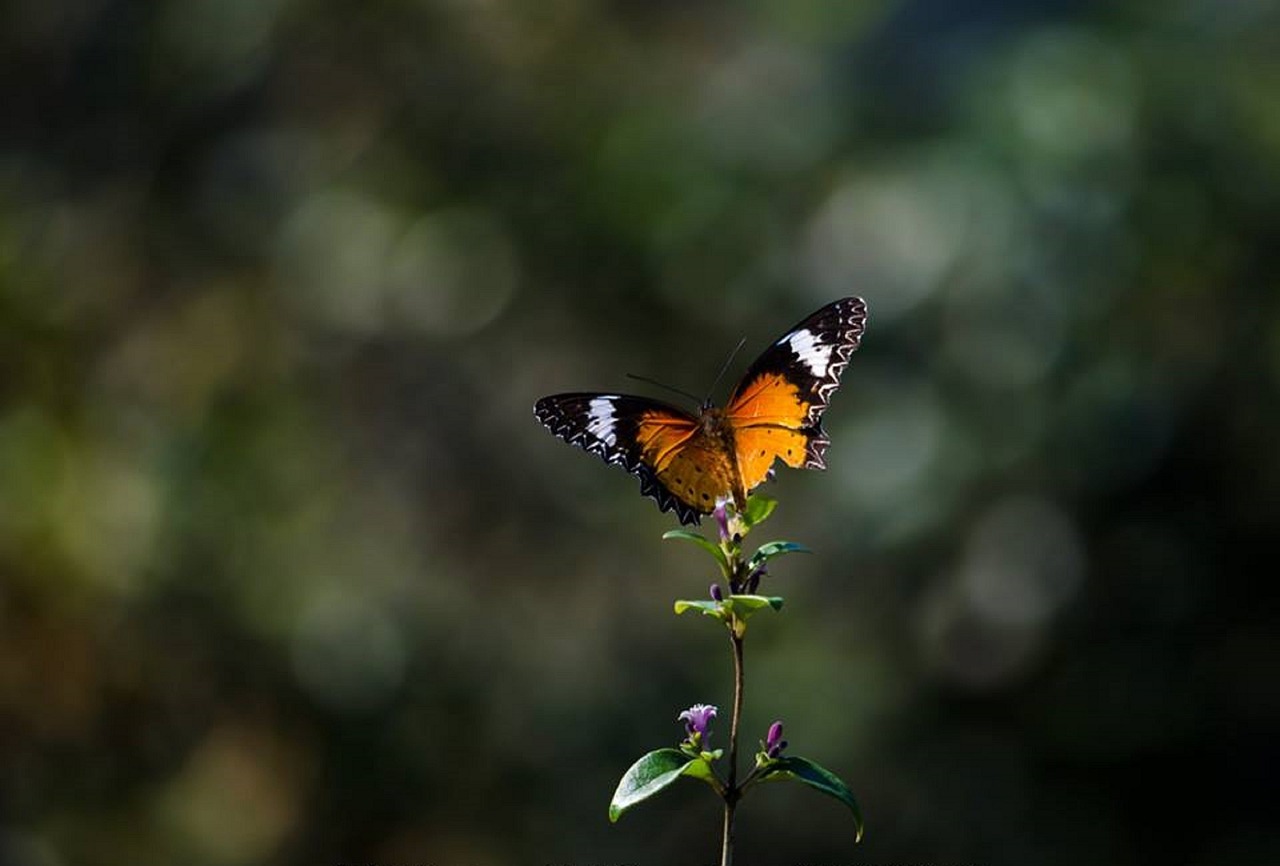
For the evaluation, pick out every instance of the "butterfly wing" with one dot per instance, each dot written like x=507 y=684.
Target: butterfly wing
x=776 y=410
x=660 y=444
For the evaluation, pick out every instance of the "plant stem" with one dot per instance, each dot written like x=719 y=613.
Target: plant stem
x=731 y=792
x=726 y=848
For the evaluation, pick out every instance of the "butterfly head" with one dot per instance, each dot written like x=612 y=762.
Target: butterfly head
x=715 y=425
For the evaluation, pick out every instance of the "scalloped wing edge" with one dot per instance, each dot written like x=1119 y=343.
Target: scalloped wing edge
x=548 y=411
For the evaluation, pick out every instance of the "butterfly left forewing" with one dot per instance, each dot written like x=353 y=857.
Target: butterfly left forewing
x=776 y=410
x=642 y=436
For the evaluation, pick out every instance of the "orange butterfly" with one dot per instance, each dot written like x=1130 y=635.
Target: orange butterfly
x=687 y=461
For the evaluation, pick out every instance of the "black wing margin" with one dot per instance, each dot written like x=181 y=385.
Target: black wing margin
x=812 y=356
x=608 y=425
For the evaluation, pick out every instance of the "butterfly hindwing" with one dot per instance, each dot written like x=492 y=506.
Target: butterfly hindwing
x=776 y=410
x=645 y=437
x=698 y=473
x=759 y=446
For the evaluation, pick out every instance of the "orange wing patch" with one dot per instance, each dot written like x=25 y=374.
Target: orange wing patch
x=770 y=421
x=770 y=399
x=758 y=447
x=686 y=461
x=660 y=434
x=698 y=473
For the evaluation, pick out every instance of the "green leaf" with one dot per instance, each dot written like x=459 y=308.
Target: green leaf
x=741 y=605
x=745 y=605
x=817 y=777
x=653 y=772
x=709 y=547
x=770 y=549
x=701 y=768
x=758 y=510
x=708 y=607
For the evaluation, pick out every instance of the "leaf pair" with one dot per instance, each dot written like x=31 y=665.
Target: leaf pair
x=661 y=768
x=741 y=606
x=728 y=552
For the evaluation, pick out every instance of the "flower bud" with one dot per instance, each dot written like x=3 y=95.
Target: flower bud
x=773 y=742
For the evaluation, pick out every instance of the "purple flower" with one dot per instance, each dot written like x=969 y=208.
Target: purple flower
x=717 y=594
x=773 y=742
x=721 y=513
x=696 y=721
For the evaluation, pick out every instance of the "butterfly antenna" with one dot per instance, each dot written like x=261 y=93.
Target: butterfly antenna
x=670 y=388
x=723 y=368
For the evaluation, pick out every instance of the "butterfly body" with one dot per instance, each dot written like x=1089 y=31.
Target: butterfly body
x=702 y=468
x=687 y=461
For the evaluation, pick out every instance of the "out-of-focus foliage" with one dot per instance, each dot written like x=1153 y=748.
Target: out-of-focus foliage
x=289 y=574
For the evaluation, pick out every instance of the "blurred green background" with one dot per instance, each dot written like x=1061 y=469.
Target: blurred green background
x=289 y=574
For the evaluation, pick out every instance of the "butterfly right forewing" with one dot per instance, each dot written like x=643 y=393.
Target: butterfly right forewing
x=776 y=410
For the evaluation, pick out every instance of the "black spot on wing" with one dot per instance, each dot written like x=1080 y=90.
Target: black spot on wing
x=568 y=416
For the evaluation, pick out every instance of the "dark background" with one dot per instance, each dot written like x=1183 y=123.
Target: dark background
x=289 y=573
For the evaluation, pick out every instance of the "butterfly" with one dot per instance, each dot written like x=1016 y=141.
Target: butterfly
x=687 y=462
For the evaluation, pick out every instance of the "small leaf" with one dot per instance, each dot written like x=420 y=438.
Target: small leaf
x=710 y=608
x=701 y=769
x=709 y=547
x=758 y=510
x=770 y=549
x=653 y=772
x=745 y=605
x=817 y=777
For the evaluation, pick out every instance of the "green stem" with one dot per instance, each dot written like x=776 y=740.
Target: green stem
x=737 y=573
x=732 y=792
